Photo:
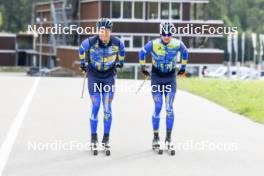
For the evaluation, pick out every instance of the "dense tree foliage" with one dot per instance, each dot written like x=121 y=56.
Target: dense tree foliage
x=248 y=15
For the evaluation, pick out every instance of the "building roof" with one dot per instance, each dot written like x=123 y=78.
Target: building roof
x=7 y=51
x=27 y=33
x=68 y=47
x=5 y=34
x=29 y=51
x=205 y=50
x=187 y=1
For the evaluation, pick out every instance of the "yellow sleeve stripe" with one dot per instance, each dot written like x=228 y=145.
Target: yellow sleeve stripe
x=142 y=61
x=184 y=61
x=121 y=57
x=82 y=56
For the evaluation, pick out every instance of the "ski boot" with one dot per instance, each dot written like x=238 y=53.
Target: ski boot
x=94 y=144
x=106 y=145
x=156 y=144
x=169 y=145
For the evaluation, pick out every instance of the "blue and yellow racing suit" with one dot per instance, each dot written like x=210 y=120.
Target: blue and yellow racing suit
x=163 y=78
x=101 y=73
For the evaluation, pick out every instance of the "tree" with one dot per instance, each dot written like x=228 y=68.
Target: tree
x=16 y=14
x=1 y=20
x=244 y=14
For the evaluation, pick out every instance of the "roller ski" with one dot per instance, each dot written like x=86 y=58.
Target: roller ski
x=156 y=145
x=169 y=147
x=106 y=146
x=94 y=144
x=168 y=144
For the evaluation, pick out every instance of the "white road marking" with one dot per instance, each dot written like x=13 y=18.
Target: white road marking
x=9 y=141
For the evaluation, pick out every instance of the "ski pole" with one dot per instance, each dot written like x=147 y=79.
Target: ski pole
x=83 y=86
x=142 y=84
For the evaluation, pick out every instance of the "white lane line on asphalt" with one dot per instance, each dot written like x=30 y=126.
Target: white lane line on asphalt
x=10 y=138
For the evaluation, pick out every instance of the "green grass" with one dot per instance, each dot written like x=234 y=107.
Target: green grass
x=13 y=69
x=243 y=97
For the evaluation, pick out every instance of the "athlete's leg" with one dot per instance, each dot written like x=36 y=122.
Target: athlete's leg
x=157 y=97
x=95 y=100
x=169 y=99
x=107 y=97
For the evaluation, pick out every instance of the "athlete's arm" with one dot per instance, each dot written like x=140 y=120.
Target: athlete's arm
x=84 y=48
x=142 y=57
x=121 y=53
x=143 y=52
x=184 y=55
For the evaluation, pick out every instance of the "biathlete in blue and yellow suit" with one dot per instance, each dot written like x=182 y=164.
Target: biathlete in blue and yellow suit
x=164 y=52
x=100 y=65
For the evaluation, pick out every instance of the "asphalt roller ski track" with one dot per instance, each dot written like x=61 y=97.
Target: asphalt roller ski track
x=50 y=110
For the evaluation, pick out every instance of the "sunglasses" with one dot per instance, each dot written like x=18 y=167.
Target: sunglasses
x=166 y=35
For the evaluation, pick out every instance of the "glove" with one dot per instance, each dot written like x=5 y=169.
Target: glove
x=83 y=67
x=119 y=65
x=144 y=70
x=182 y=70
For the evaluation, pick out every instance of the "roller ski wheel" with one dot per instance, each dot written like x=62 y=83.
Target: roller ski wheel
x=106 y=149
x=107 y=152
x=106 y=146
x=94 y=148
x=156 y=146
x=170 y=147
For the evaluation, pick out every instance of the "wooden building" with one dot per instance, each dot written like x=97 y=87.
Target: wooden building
x=7 y=49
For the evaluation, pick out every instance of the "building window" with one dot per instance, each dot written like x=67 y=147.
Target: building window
x=116 y=9
x=137 y=41
x=164 y=9
x=138 y=10
x=151 y=38
x=175 y=11
x=127 y=10
x=127 y=41
x=153 y=10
